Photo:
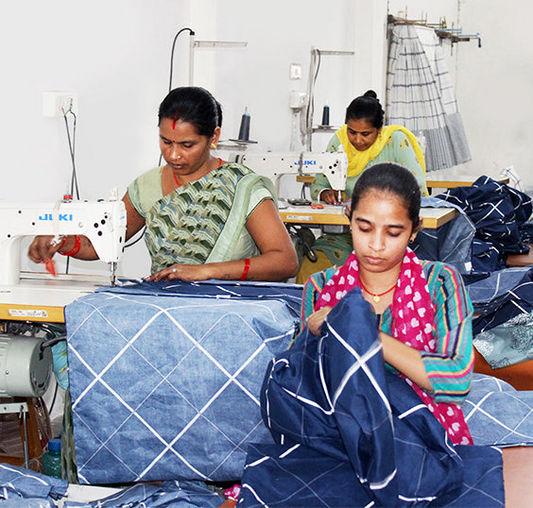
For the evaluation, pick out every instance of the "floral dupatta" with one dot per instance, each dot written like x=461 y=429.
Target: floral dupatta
x=413 y=324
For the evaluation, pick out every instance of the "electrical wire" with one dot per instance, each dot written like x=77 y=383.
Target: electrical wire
x=191 y=32
x=72 y=150
x=308 y=119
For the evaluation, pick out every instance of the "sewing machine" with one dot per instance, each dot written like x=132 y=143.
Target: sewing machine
x=334 y=165
x=103 y=222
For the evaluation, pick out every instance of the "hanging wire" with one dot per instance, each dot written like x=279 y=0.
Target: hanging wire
x=72 y=150
x=308 y=123
x=191 y=32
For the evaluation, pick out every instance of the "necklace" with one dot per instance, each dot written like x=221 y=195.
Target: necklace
x=175 y=179
x=376 y=297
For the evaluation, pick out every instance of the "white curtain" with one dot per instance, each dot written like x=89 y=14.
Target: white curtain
x=420 y=96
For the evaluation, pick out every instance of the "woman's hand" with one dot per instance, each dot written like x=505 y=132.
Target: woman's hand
x=183 y=272
x=329 y=196
x=316 y=319
x=43 y=249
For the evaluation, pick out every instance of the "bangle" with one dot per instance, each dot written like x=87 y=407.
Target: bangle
x=246 y=269
x=75 y=249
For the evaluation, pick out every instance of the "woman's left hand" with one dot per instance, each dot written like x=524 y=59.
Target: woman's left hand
x=316 y=319
x=182 y=272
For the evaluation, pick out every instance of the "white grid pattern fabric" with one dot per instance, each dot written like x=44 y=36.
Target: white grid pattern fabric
x=167 y=387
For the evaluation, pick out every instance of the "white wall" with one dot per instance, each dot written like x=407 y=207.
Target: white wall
x=116 y=55
x=492 y=83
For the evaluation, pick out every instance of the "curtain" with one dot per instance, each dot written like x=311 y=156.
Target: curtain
x=420 y=96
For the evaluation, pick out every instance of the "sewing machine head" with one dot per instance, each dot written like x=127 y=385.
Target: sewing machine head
x=334 y=165
x=103 y=222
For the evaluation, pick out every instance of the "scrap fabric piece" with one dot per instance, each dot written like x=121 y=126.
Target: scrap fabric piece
x=330 y=401
x=165 y=384
x=175 y=494
x=23 y=487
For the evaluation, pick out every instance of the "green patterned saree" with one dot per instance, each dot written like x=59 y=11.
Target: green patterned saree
x=203 y=221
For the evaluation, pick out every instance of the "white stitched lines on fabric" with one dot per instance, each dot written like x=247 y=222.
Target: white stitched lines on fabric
x=365 y=368
x=477 y=408
x=405 y=414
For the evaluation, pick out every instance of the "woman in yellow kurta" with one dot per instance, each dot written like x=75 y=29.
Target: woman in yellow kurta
x=366 y=142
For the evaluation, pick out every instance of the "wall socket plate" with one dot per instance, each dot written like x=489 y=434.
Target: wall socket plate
x=57 y=103
x=295 y=71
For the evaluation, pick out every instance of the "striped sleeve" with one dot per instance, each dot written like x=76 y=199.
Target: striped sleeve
x=450 y=367
x=312 y=289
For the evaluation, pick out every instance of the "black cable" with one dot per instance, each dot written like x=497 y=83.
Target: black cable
x=56 y=389
x=191 y=32
x=52 y=342
x=140 y=234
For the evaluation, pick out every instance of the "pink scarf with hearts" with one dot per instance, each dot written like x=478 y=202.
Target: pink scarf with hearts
x=413 y=324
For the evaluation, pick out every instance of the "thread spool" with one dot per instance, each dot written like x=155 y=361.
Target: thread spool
x=325 y=115
x=244 y=131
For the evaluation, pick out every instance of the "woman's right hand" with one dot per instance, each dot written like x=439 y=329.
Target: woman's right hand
x=329 y=196
x=316 y=319
x=42 y=249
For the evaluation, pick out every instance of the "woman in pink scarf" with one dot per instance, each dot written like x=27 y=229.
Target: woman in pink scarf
x=423 y=311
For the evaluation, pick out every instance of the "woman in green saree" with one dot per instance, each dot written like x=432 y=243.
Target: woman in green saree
x=204 y=218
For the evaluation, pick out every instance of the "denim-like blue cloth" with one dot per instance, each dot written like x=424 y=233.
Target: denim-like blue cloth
x=451 y=243
x=165 y=378
x=25 y=488
x=498 y=414
x=499 y=214
x=501 y=296
x=170 y=494
x=330 y=402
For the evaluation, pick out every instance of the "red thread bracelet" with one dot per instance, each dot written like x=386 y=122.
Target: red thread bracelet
x=75 y=249
x=246 y=269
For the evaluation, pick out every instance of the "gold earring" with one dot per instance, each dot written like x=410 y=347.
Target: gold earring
x=213 y=146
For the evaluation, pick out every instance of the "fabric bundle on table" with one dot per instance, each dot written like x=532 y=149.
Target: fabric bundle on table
x=330 y=403
x=500 y=215
x=165 y=378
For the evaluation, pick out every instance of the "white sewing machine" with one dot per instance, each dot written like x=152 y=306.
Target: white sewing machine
x=103 y=222
x=334 y=165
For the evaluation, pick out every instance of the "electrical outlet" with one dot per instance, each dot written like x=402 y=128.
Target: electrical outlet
x=59 y=103
x=297 y=100
x=296 y=71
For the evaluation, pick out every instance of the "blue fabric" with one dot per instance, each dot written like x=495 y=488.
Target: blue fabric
x=20 y=487
x=330 y=401
x=501 y=296
x=451 y=243
x=23 y=487
x=498 y=414
x=499 y=214
x=170 y=494
x=165 y=378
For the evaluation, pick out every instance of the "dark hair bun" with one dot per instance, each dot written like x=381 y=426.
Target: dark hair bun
x=371 y=93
